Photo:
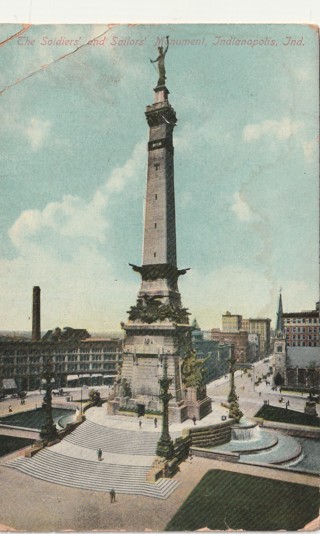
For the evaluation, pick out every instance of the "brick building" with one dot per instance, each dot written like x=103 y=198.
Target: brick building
x=239 y=340
x=302 y=329
x=75 y=361
x=216 y=355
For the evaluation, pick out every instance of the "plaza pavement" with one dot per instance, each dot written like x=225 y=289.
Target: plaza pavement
x=35 y=505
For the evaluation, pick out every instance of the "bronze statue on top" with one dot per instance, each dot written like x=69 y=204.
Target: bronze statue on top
x=160 y=60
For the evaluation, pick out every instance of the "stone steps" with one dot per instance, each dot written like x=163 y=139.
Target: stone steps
x=57 y=468
x=94 y=436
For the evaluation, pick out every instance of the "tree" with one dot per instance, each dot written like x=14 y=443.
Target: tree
x=95 y=397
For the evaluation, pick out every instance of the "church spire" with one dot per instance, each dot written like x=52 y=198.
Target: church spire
x=279 y=326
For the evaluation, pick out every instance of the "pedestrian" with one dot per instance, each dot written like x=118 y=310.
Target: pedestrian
x=10 y=408
x=112 y=495
x=194 y=419
x=288 y=403
x=99 y=454
x=190 y=455
x=259 y=393
x=140 y=423
x=155 y=422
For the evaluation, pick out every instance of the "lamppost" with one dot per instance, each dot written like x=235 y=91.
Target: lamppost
x=81 y=400
x=165 y=447
x=234 y=410
x=48 y=430
x=232 y=397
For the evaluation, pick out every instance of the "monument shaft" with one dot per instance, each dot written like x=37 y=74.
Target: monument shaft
x=158 y=328
x=160 y=225
x=158 y=322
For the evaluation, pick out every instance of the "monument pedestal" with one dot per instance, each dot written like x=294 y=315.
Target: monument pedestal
x=146 y=346
x=197 y=402
x=178 y=412
x=310 y=407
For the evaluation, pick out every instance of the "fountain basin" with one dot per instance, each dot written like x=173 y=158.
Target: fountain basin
x=258 y=445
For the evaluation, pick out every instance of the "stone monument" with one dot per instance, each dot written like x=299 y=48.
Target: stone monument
x=158 y=326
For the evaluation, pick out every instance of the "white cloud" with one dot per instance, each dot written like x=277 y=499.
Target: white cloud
x=240 y=290
x=37 y=131
x=232 y=287
x=310 y=149
x=74 y=217
x=188 y=135
x=80 y=292
x=281 y=130
x=59 y=248
x=241 y=208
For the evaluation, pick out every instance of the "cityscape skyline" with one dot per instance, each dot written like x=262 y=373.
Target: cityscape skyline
x=245 y=156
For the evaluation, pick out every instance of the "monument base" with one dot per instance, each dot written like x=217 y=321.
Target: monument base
x=142 y=405
x=178 y=412
x=112 y=407
x=197 y=402
x=310 y=408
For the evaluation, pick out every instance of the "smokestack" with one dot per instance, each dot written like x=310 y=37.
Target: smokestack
x=36 y=332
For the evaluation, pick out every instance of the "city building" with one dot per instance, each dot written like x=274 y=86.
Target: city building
x=239 y=340
x=231 y=323
x=295 y=367
x=75 y=362
x=302 y=329
x=77 y=358
x=260 y=326
x=216 y=356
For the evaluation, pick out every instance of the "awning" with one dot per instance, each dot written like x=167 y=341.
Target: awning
x=96 y=375
x=72 y=377
x=84 y=376
x=9 y=383
x=109 y=376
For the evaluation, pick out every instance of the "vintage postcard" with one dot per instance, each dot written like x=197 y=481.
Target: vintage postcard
x=159 y=312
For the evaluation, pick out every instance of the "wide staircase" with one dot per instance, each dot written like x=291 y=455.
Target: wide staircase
x=94 y=436
x=127 y=457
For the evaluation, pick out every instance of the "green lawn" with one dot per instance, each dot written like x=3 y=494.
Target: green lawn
x=224 y=500
x=281 y=415
x=10 y=444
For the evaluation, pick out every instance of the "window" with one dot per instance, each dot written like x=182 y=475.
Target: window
x=155 y=225
x=279 y=348
x=154 y=254
x=156 y=197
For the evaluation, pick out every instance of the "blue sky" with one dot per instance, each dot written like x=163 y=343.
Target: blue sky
x=73 y=169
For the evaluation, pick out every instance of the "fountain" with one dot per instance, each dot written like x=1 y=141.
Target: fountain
x=258 y=445
x=245 y=431
x=253 y=444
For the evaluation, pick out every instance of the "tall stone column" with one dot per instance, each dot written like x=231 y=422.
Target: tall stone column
x=158 y=324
